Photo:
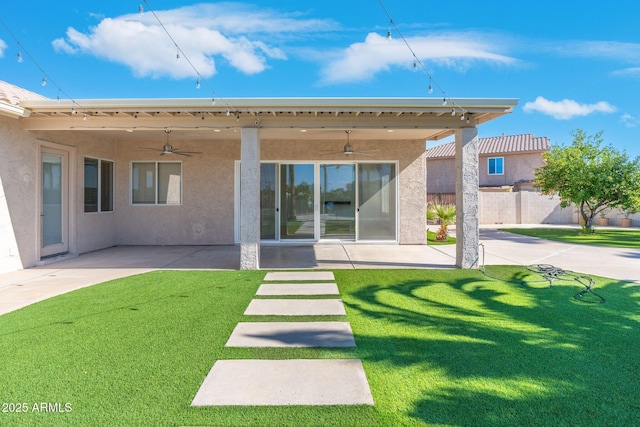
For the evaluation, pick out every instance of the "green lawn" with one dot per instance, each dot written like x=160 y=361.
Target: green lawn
x=617 y=238
x=431 y=239
x=440 y=347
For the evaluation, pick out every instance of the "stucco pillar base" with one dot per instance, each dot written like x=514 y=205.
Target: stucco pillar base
x=467 y=185
x=250 y=199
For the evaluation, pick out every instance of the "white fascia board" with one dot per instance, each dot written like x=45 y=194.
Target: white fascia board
x=280 y=104
x=13 y=111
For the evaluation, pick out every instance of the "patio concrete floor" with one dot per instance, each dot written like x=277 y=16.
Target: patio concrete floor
x=24 y=287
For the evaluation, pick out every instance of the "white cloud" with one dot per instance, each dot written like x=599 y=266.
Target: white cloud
x=631 y=72
x=3 y=46
x=628 y=52
x=232 y=31
x=630 y=121
x=362 y=61
x=567 y=108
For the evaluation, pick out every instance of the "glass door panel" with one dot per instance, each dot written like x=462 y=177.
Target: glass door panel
x=376 y=201
x=54 y=200
x=337 y=202
x=297 y=213
x=268 y=207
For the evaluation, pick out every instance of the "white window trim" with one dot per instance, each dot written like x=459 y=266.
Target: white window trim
x=113 y=187
x=489 y=168
x=156 y=163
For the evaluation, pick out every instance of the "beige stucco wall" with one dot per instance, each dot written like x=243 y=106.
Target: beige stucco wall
x=517 y=167
x=17 y=197
x=206 y=215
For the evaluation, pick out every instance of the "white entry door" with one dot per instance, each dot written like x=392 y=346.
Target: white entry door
x=54 y=203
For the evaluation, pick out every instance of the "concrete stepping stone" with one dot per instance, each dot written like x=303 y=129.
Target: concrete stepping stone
x=299 y=276
x=295 y=307
x=298 y=289
x=292 y=334
x=285 y=382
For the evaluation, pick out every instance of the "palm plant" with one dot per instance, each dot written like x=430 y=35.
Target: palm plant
x=445 y=214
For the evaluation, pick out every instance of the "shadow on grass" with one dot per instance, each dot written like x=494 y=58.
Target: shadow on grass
x=468 y=350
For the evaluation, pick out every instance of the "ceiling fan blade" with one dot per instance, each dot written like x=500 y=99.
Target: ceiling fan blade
x=187 y=152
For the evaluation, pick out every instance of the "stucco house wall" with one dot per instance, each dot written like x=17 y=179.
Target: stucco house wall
x=17 y=196
x=517 y=167
x=206 y=215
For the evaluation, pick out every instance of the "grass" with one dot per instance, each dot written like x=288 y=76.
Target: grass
x=615 y=238
x=440 y=347
x=431 y=239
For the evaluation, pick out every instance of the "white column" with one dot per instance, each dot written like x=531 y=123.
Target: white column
x=250 y=199
x=467 y=183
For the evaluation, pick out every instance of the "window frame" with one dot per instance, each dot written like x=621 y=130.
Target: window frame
x=495 y=159
x=156 y=183
x=100 y=186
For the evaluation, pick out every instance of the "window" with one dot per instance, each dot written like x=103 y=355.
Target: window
x=98 y=185
x=496 y=165
x=156 y=183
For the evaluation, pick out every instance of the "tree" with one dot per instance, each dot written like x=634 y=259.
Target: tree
x=446 y=214
x=591 y=176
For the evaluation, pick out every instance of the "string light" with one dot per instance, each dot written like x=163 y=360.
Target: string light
x=140 y=9
x=180 y=54
x=417 y=62
x=46 y=78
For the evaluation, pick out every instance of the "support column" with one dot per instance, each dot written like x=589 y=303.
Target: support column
x=250 y=199
x=467 y=184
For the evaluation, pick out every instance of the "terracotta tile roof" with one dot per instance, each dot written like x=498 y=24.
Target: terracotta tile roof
x=12 y=94
x=504 y=144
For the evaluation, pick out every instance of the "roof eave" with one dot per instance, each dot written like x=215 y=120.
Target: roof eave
x=499 y=106
x=13 y=111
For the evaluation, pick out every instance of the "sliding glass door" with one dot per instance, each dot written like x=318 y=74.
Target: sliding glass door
x=376 y=201
x=327 y=202
x=338 y=201
x=297 y=202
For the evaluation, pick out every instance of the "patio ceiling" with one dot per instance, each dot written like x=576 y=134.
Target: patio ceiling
x=278 y=118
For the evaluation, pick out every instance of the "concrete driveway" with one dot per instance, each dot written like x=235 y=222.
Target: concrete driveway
x=21 y=288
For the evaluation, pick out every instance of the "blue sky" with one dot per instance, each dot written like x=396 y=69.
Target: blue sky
x=571 y=65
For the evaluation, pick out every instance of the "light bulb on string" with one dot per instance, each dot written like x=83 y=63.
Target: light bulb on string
x=444 y=101
x=389 y=30
x=178 y=56
x=19 y=58
x=44 y=81
x=198 y=84
x=213 y=101
x=140 y=9
x=462 y=116
x=453 y=111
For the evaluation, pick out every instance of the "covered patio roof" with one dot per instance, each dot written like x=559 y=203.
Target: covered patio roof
x=278 y=118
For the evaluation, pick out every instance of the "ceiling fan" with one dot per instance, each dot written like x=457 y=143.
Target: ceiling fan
x=170 y=149
x=348 y=148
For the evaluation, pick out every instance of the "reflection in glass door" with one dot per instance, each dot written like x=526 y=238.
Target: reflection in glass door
x=376 y=201
x=268 y=207
x=297 y=202
x=53 y=208
x=337 y=202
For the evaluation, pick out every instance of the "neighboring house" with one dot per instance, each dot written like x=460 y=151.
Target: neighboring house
x=506 y=163
x=82 y=175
